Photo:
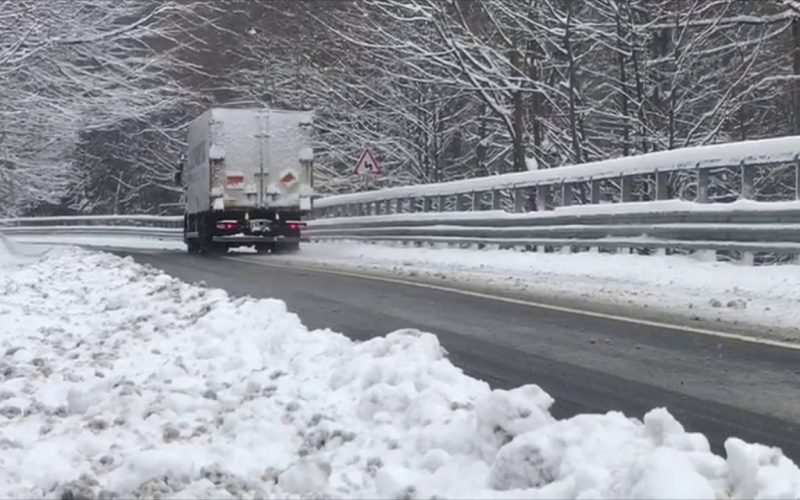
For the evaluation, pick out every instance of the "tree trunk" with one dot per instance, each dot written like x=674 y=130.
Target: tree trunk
x=637 y=72
x=796 y=70
x=518 y=117
x=481 y=149
x=623 y=81
x=573 y=124
x=534 y=74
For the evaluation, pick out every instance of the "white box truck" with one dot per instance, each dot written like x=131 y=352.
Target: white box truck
x=248 y=174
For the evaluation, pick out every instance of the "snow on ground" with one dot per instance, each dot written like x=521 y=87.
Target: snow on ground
x=762 y=300
x=671 y=286
x=119 y=381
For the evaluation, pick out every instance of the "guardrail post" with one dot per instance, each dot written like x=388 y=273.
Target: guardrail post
x=748 y=181
x=441 y=203
x=595 y=191
x=398 y=207
x=461 y=201
x=626 y=188
x=497 y=200
x=427 y=204
x=662 y=180
x=476 y=201
x=566 y=194
x=520 y=198
x=542 y=190
x=703 y=176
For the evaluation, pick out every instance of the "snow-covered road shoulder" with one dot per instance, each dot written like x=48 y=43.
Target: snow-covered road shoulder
x=119 y=381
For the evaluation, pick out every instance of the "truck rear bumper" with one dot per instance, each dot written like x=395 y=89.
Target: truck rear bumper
x=252 y=240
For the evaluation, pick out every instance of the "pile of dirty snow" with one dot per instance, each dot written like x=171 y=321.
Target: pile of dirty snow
x=117 y=381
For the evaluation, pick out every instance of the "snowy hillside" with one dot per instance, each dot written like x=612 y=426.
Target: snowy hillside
x=120 y=380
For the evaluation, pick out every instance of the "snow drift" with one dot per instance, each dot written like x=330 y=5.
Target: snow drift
x=120 y=381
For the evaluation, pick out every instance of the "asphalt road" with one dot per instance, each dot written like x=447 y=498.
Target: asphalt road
x=712 y=385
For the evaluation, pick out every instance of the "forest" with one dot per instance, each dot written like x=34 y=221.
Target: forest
x=96 y=94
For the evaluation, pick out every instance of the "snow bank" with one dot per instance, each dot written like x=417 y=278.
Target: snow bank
x=13 y=253
x=118 y=380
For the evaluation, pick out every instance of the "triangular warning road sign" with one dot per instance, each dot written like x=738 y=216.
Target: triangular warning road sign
x=367 y=164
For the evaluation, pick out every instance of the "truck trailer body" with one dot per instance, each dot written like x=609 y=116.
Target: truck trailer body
x=249 y=176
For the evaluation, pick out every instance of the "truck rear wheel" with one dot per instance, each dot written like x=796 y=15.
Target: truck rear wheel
x=287 y=247
x=191 y=246
x=219 y=248
x=264 y=248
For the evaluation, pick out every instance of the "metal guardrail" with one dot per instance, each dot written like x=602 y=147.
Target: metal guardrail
x=747 y=230
x=142 y=226
x=97 y=220
x=634 y=178
x=757 y=228
x=161 y=233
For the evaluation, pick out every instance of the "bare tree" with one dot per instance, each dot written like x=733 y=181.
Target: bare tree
x=68 y=66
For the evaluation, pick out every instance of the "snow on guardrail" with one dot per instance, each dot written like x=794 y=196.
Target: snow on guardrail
x=489 y=217
x=765 y=151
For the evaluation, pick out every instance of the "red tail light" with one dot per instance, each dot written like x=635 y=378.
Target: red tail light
x=227 y=225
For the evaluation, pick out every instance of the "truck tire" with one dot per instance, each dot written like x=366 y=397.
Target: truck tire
x=219 y=248
x=264 y=248
x=191 y=246
x=287 y=247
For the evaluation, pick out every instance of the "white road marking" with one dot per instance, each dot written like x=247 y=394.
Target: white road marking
x=531 y=303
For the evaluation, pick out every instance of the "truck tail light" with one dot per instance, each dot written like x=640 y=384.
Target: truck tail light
x=227 y=225
x=296 y=226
